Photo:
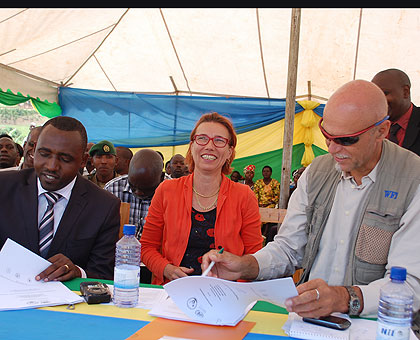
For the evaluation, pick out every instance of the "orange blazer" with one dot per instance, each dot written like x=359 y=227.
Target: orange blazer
x=168 y=223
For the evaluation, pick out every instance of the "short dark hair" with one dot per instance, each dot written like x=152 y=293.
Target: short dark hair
x=65 y=123
x=6 y=136
x=267 y=166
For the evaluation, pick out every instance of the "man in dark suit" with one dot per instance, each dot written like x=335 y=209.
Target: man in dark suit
x=79 y=235
x=404 y=115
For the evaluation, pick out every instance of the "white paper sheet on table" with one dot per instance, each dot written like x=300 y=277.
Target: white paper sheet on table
x=360 y=329
x=18 y=287
x=215 y=301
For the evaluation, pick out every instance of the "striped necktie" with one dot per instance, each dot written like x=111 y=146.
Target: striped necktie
x=46 y=226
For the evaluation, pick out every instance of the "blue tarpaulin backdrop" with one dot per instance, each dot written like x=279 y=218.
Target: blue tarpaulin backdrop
x=140 y=120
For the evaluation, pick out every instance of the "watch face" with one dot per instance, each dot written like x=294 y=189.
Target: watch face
x=355 y=304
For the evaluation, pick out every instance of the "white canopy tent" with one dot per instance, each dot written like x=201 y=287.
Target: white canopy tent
x=227 y=51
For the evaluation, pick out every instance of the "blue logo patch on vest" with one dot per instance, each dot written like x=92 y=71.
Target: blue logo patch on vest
x=391 y=194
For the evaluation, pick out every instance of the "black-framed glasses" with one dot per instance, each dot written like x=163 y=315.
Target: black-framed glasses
x=349 y=139
x=218 y=141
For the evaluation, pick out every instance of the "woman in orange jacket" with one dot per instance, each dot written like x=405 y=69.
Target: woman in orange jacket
x=205 y=210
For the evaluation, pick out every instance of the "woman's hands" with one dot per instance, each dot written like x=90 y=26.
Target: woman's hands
x=172 y=272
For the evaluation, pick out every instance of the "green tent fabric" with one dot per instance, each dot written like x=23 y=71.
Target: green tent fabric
x=45 y=108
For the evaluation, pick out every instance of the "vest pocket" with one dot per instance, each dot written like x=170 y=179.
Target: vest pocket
x=366 y=273
x=375 y=236
x=372 y=244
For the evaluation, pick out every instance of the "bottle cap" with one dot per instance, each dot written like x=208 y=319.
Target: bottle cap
x=398 y=273
x=129 y=229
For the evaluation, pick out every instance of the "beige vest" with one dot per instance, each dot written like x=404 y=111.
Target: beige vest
x=398 y=177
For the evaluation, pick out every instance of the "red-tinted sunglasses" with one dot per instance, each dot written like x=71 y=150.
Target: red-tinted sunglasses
x=349 y=139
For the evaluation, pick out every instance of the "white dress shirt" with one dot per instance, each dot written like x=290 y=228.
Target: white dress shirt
x=59 y=207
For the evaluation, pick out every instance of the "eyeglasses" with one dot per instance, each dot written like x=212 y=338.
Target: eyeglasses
x=218 y=141
x=349 y=139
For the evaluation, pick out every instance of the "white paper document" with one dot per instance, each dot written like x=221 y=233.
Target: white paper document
x=18 y=287
x=360 y=329
x=215 y=301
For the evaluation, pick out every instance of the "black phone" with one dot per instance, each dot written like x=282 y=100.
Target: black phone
x=95 y=292
x=330 y=321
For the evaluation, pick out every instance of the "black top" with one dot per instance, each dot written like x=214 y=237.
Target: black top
x=201 y=239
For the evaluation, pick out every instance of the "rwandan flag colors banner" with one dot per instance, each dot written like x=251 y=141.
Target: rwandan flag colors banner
x=164 y=123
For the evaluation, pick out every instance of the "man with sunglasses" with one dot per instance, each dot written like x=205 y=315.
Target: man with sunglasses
x=353 y=215
x=403 y=114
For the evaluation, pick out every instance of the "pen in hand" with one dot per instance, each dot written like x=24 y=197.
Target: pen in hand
x=211 y=265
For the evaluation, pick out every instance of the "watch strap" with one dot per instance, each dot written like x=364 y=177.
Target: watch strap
x=354 y=302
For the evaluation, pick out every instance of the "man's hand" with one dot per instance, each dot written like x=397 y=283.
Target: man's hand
x=61 y=269
x=229 y=266
x=317 y=299
x=172 y=272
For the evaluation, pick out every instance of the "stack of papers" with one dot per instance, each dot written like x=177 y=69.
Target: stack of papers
x=18 y=287
x=214 y=301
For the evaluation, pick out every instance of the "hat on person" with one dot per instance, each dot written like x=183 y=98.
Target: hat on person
x=102 y=148
x=249 y=168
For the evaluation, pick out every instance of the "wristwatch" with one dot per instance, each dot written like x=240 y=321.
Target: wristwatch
x=354 y=302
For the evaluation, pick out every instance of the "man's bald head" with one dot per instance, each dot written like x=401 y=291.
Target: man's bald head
x=145 y=172
x=353 y=107
x=356 y=108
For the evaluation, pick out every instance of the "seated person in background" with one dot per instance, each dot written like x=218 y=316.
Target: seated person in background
x=202 y=211
x=88 y=169
x=361 y=201
x=20 y=155
x=29 y=147
x=403 y=114
x=167 y=170
x=8 y=153
x=235 y=176
x=177 y=166
x=137 y=188
x=249 y=172
x=104 y=159
x=139 y=185
x=296 y=175
x=55 y=212
x=124 y=156
x=267 y=189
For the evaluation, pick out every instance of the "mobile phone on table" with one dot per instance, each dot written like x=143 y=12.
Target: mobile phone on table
x=330 y=321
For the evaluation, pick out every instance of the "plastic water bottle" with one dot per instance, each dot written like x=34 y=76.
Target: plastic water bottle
x=395 y=307
x=127 y=269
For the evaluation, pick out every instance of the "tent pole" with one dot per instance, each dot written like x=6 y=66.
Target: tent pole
x=176 y=111
x=290 y=107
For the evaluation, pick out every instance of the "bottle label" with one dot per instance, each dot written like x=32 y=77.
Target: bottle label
x=127 y=277
x=391 y=332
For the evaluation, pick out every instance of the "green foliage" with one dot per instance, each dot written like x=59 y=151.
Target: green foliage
x=15 y=120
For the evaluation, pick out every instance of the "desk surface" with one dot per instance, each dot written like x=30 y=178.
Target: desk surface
x=110 y=322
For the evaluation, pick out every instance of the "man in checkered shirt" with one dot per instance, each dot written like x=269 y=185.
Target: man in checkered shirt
x=139 y=185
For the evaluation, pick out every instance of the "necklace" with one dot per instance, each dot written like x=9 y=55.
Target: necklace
x=206 y=208
x=201 y=195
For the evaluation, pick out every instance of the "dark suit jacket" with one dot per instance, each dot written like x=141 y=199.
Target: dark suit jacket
x=412 y=134
x=87 y=232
